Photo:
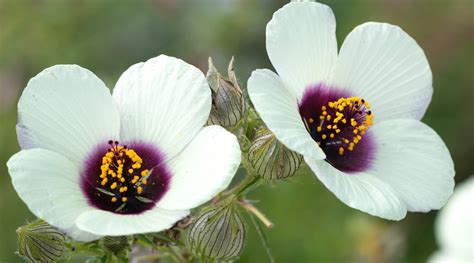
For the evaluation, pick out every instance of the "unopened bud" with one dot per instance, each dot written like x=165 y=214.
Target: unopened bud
x=228 y=105
x=115 y=244
x=270 y=158
x=218 y=233
x=40 y=242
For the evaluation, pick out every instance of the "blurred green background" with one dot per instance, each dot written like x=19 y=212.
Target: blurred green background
x=311 y=225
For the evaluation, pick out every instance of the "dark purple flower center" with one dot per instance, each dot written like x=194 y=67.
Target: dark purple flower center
x=339 y=123
x=125 y=180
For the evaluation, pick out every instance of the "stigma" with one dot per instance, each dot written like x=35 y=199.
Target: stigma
x=341 y=123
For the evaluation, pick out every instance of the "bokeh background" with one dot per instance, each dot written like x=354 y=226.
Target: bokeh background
x=311 y=225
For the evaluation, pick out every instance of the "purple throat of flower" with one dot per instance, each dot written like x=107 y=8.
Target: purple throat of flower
x=125 y=179
x=339 y=123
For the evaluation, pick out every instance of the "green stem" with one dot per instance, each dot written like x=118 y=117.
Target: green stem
x=240 y=189
x=247 y=184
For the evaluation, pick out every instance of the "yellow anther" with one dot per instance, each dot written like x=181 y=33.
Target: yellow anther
x=135 y=179
x=341 y=151
x=355 y=131
x=113 y=165
x=310 y=120
x=324 y=136
x=329 y=126
x=318 y=129
x=323 y=108
x=331 y=135
x=338 y=130
x=328 y=117
x=344 y=121
x=321 y=117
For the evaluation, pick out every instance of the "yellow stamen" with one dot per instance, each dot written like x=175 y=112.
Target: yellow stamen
x=341 y=151
x=350 y=110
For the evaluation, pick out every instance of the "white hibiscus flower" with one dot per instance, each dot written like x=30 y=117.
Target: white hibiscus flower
x=93 y=164
x=354 y=115
x=455 y=227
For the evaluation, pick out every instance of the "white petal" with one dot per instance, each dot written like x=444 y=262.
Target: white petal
x=106 y=223
x=455 y=224
x=415 y=162
x=384 y=65
x=279 y=110
x=301 y=44
x=362 y=191
x=49 y=185
x=205 y=167
x=164 y=101
x=444 y=257
x=66 y=109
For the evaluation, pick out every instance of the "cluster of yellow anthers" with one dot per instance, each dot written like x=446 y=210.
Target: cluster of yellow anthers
x=112 y=170
x=333 y=118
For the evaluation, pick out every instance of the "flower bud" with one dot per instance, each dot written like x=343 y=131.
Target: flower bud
x=218 y=233
x=270 y=158
x=115 y=244
x=40 y=242
x=228 y=105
